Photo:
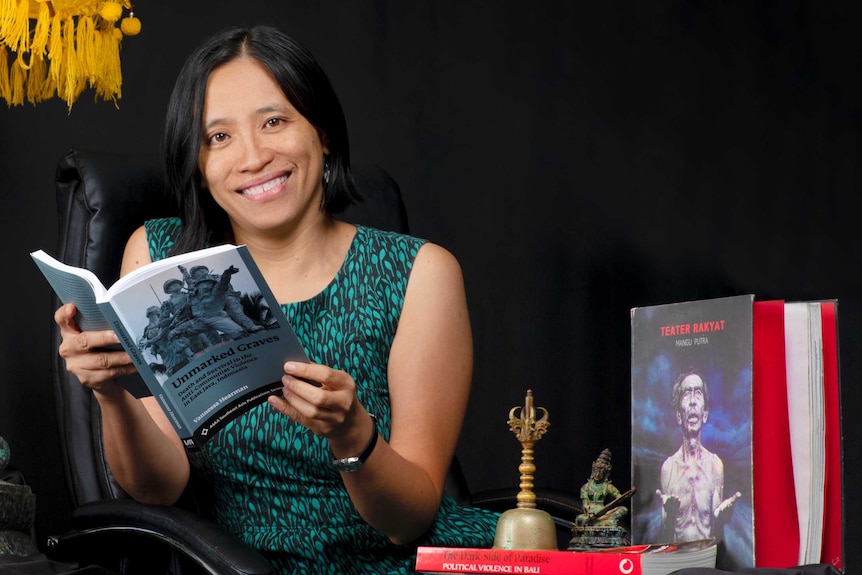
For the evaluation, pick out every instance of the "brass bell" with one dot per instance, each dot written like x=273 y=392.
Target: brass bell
x=526 y=527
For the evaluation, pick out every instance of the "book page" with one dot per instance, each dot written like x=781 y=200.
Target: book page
x=796 y=328
x=818 y=432
x=74 y=285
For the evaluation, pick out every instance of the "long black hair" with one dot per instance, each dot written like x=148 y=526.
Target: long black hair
x=305 y=85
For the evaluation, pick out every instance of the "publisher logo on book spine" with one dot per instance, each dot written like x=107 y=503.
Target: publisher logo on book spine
x=626 y=566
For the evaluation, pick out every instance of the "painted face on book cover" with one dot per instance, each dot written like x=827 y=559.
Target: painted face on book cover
x=692 y=411
x=261 y=160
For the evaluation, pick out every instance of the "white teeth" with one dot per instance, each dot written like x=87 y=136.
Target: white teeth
x=264 y=187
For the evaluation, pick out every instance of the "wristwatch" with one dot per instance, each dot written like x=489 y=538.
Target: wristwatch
x=351 y=464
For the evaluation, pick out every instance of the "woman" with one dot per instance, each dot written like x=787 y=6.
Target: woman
x=256 y=152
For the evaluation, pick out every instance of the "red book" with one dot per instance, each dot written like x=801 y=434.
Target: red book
x=634 y=560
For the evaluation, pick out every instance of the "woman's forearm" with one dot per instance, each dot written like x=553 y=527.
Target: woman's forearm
x=394 y=495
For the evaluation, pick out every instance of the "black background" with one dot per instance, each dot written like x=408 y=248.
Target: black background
x=578 y=158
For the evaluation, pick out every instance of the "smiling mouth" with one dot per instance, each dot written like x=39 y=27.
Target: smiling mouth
x=264 y=187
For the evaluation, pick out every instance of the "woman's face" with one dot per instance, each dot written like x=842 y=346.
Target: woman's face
x=261 y=160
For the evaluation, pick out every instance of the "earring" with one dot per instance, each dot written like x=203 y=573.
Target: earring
x=326 y=169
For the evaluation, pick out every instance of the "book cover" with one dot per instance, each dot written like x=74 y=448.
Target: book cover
x=776 y=534
x=633 y=560
x=691 y=368
x=833 y=518
x=204 y=330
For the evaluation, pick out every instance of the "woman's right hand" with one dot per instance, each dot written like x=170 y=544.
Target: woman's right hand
x=87 y=353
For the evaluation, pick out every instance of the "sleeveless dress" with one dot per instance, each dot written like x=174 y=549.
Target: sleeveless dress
x=271 y=481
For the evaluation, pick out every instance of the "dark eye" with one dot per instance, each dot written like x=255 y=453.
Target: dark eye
x=273 y=122
x=217 y=138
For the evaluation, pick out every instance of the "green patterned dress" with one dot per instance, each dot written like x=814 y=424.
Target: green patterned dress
x=272 y=481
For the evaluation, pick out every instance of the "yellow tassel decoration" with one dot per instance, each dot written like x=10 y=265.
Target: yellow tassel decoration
x=110 y=11
x=130 y=25
x=62 y=47
x=5 y=87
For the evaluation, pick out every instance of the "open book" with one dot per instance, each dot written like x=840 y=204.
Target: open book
x=754 y=387
x=203 y=329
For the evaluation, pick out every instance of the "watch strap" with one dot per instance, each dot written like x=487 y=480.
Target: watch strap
x=355 y=463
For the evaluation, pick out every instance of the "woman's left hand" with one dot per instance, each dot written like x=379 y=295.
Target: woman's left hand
x=328 y=410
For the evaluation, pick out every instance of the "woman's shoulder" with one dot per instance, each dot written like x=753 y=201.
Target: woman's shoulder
x=431 y=262
x=395 y=244
x=157 y=224
x=162 y=234
x=395 y=241
x=375 y=235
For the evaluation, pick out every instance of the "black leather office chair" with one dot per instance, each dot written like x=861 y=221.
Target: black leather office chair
x=101 y=198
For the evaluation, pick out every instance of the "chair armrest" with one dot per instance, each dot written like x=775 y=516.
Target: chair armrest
x=562 y=506
x=110 y=524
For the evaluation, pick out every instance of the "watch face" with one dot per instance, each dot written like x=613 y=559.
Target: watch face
x=349 y=464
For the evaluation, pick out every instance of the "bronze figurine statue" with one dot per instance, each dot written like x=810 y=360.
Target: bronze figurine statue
x=599 y=525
